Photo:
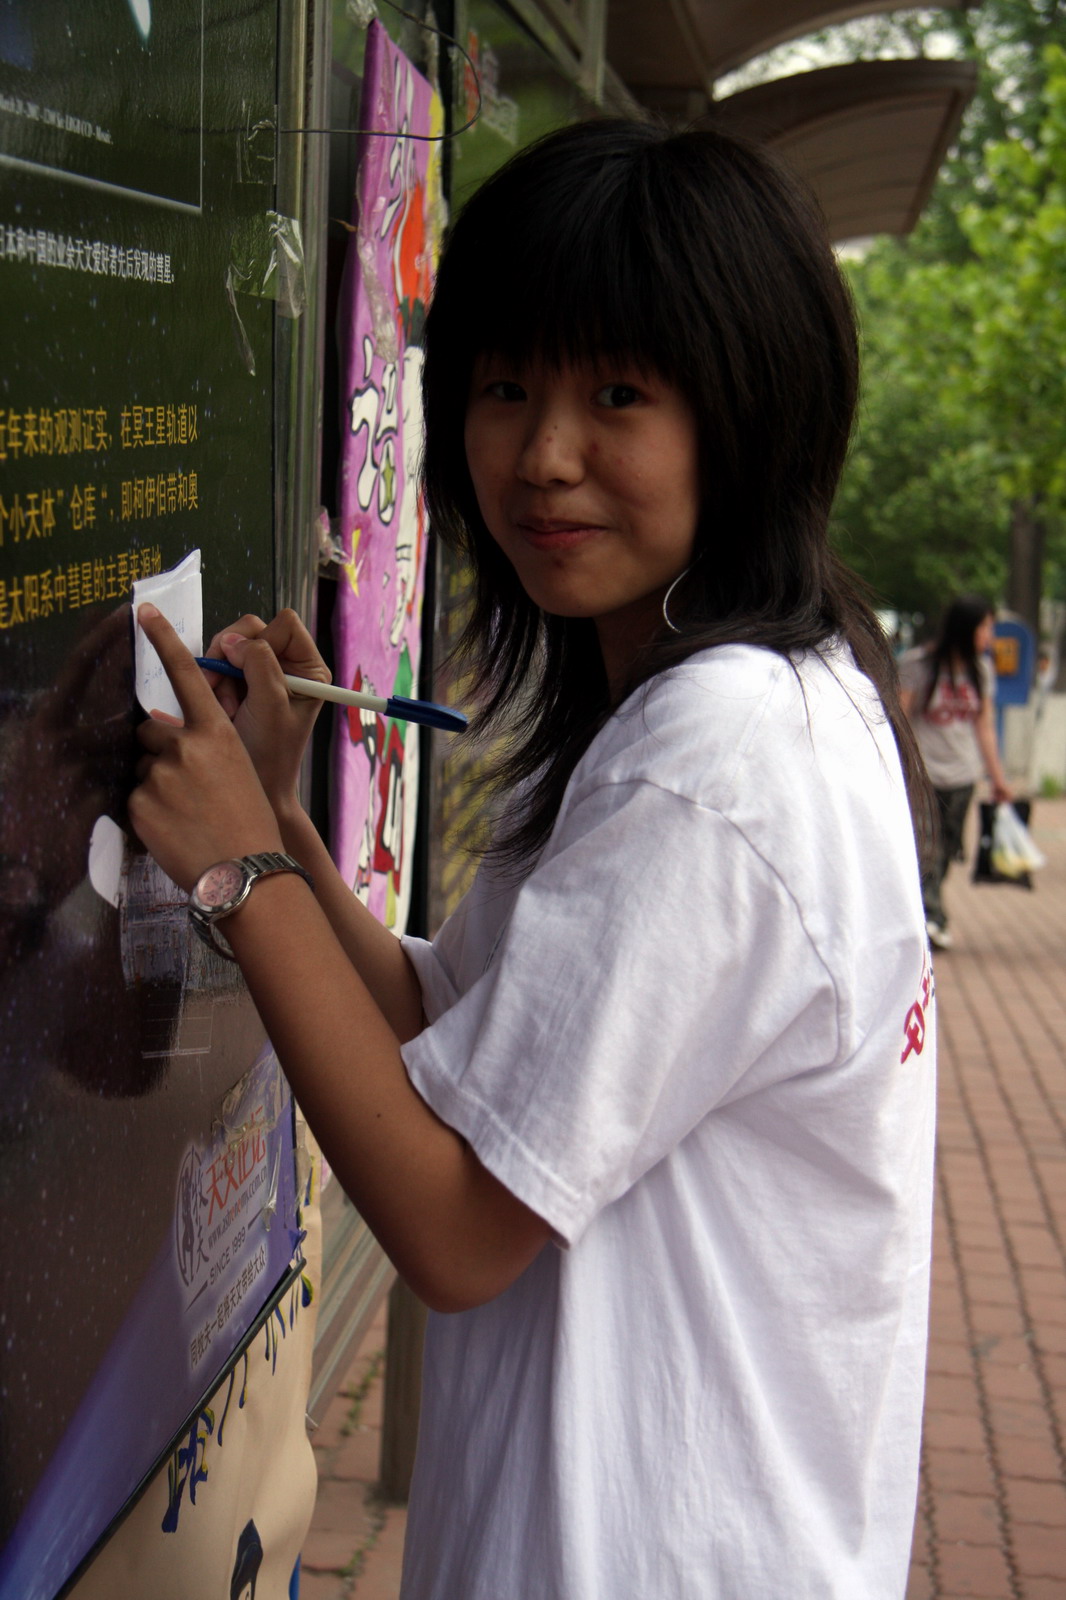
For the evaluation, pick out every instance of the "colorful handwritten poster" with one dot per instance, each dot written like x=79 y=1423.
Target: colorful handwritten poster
x=377 y=620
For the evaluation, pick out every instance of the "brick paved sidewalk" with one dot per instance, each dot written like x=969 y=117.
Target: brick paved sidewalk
x=355 y=1544
x=992 y=1507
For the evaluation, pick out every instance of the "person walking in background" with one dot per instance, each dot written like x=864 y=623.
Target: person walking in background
x=948 y=690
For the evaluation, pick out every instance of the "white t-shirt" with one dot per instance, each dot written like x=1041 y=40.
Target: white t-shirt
x=945 y=728
x=698 y=1041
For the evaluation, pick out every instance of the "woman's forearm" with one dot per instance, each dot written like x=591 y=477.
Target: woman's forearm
x=989 y=748
x=375 y=953
x=454 y=1232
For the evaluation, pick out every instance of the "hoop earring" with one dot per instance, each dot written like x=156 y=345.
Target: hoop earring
x=666 y=601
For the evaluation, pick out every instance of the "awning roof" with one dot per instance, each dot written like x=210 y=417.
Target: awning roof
x=868 y=137
x=667 y=49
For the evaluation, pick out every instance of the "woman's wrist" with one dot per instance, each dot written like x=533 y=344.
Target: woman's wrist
x=298 y=831
x=288 y=809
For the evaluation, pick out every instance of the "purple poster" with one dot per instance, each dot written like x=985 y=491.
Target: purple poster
x=232 y=1240
x=382 y=522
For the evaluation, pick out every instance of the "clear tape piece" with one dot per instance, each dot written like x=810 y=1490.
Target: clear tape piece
x=242 y=1110
x=303 y=1172
x=267 y=262
x=291 y=277
x=256 y=148
x=331 y=551
x=270 y=1204
x=243 y=345
x=254 y=1104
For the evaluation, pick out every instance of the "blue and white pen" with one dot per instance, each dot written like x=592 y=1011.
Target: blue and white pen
x=397 y=706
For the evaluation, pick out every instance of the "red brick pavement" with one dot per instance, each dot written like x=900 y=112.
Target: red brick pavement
x=991 y=1519
x=355 y=1544
x=992 y=1506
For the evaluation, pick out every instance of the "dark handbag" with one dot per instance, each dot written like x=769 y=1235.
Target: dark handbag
x=983 y=870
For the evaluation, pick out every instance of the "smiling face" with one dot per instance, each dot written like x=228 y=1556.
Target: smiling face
x=588 y=480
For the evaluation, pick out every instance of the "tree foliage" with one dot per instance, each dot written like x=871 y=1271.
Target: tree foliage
x=1014 y=291
x=964 y=410
x=914 y=514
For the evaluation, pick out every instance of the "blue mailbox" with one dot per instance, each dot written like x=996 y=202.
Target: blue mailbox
x=1014 y=654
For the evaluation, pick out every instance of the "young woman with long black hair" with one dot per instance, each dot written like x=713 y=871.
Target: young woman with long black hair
x=649 y=1123
x=948 y=692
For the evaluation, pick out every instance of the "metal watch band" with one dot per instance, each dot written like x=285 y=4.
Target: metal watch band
x=257 y=866
x=268 y=861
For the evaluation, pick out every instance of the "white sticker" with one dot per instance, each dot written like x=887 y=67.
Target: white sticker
x=180 y=597
x=107 y=857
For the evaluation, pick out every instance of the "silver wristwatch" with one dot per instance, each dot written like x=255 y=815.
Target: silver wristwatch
x=225 y=886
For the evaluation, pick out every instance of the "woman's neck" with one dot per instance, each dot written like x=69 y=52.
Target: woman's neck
x=623 y=634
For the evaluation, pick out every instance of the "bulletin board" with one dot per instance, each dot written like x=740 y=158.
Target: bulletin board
x=147 y=1168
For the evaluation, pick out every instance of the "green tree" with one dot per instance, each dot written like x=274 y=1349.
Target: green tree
x=915 y=515
x=963 y=432
x=1015 y=287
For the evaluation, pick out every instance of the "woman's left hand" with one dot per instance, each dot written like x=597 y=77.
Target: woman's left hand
x=198 y=800
x=273 y=724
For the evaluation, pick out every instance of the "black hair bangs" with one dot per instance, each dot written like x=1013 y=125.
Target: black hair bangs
x=565 y=269
x=561 y=289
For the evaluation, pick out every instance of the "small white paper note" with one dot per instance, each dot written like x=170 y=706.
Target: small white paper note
x=180 y=597
x=107 y=856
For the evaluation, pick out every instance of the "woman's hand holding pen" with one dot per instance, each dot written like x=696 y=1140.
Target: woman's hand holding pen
x=274 y=726
x=223 y=785
x=199 y=799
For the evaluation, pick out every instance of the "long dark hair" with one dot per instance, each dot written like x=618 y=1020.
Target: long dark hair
x=696 y=257
x=954 y=647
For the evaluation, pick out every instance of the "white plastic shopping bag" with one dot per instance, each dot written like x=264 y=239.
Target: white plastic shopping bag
x=1013 y=851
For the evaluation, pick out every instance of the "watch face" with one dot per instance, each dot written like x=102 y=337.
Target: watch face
x=220 y=884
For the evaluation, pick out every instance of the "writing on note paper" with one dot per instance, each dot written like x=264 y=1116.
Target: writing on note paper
x=179 y=596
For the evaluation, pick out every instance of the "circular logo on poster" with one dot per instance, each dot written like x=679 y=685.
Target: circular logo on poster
x=188 y=1219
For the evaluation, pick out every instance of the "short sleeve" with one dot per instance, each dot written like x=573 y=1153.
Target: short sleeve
x=653 y=968
x=914 y=671
x=439 y=992
x=462 y=949
x=987 y=672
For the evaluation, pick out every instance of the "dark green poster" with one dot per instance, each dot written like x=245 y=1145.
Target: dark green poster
x=146 y=1163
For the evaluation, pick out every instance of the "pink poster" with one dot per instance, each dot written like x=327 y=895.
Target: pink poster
x=377 y=620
